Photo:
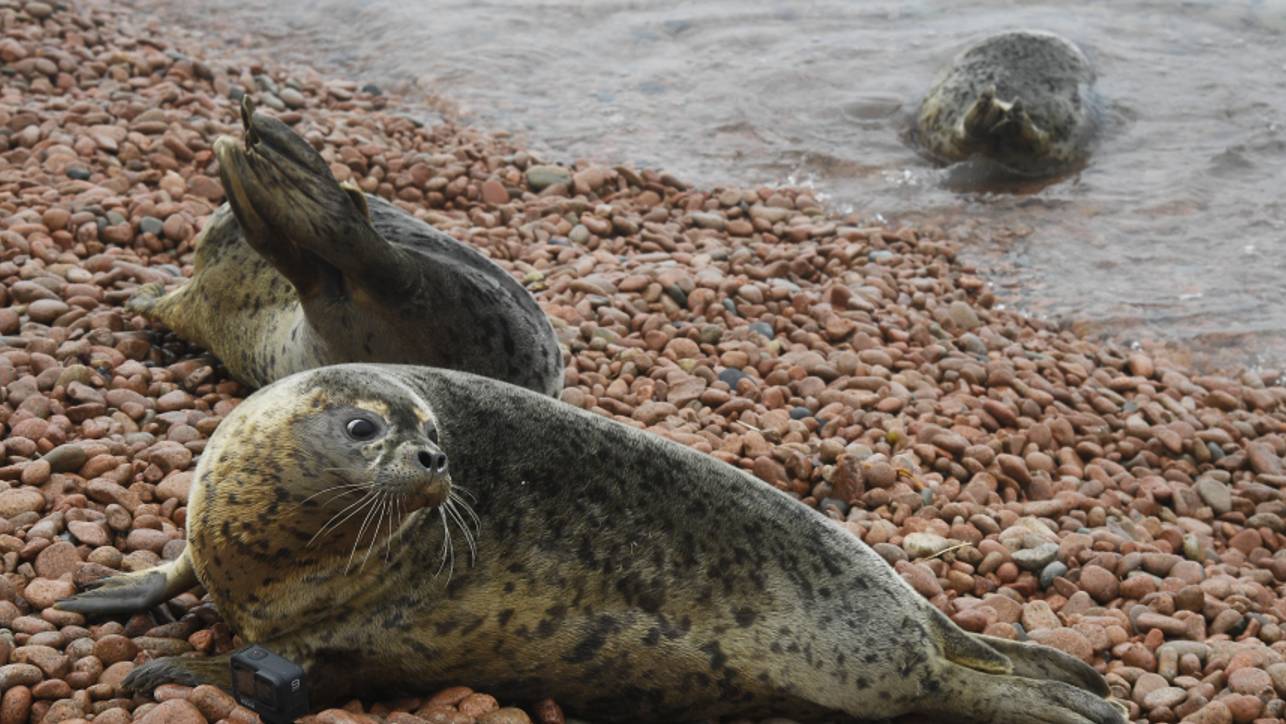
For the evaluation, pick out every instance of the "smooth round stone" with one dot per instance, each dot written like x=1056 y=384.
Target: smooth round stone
x=544 y=176
x=731 y=377
x=1050 y=572
x=151 y=225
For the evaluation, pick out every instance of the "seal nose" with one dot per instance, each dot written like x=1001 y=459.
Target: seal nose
x=435 y=463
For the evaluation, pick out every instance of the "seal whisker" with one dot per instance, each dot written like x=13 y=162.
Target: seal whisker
x=346 y=488
x=461 y=489
x=335 y=521
x=394 y=509
x=473 y=535
x=477 y=523
x=375 y=531
x=361 y=532
x=448 y=549
x=464 y=528
x=402 y=513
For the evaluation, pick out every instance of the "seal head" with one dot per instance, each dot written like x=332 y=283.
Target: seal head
x=306 y=485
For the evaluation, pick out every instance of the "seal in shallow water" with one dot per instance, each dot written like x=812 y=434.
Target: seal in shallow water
x=300 y=272
x=629 y=577
x=1022 y=99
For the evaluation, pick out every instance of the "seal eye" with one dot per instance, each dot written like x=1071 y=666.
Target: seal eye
x=360 y=428
x=432 y=433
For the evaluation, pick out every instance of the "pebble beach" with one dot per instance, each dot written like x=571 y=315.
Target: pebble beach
x=1032 y=484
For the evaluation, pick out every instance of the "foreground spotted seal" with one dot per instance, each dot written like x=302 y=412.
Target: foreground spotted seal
x=629 y=577
x=297 y=272
x=1022 y=99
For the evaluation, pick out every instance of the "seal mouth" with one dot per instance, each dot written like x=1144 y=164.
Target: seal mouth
x=430 y=495
x=414 y=473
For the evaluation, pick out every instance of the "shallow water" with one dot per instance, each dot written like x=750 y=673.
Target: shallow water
x=1175 y=232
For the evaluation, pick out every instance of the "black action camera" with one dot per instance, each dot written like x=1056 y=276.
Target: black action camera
x=269 y=685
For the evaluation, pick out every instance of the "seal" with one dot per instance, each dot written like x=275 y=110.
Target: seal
x=1022 y=99
x=297 y=272
x=629 y=577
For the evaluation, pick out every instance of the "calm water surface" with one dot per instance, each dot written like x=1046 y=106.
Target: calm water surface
x=1175 y=232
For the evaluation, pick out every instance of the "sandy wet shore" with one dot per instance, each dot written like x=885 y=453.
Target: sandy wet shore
x=1029 y=482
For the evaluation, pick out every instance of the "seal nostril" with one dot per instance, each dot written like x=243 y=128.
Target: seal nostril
x=440 y=465
x=426 y=459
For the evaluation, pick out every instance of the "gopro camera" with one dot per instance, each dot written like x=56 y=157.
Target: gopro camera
x=269 y=685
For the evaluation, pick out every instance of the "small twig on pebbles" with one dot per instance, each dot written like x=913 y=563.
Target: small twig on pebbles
x=947 y=550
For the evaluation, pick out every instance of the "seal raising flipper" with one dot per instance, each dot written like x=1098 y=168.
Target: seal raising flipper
x=1021 y=99
x=136 y=591
x=629 y=577
x=298 y=271
x=314 y=231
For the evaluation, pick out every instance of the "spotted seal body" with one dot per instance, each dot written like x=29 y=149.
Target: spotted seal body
x=1022 y=99
x=631 y=578
x=297 y=272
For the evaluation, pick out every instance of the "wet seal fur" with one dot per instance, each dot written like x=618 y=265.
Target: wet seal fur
x=629 y=577
x=1022 y=99
x=297 y=272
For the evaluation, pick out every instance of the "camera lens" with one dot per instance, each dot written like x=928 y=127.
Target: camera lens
x=244 y=680
x=265 y=691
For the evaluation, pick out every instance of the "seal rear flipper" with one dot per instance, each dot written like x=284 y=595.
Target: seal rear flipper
x=133 y=592
x=185 y=670
x=1034 y=661
x=295 y=213
x=967 y=693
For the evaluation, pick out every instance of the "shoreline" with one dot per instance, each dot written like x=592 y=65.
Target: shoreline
x=1113 y=505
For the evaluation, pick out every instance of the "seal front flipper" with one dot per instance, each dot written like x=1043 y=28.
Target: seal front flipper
x=152 y=301
x=1002 y=127
x=145 y=298
x=965 y=649
x=133 y=592
x=185 y=670
x=1000 y=699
